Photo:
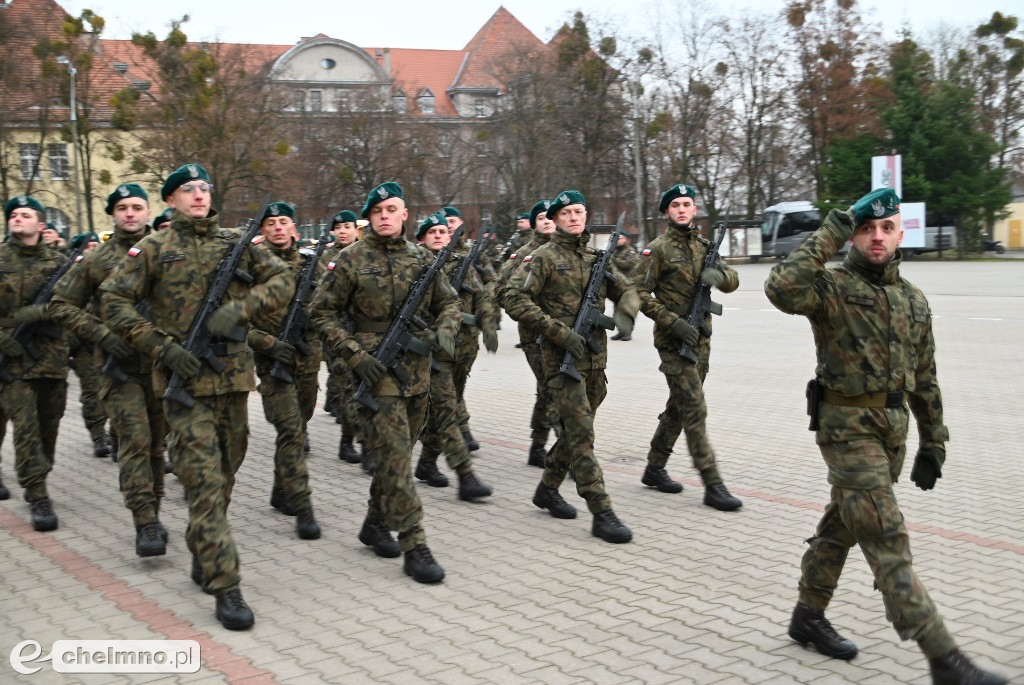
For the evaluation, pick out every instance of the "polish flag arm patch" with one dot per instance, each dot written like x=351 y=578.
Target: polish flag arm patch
x=330 y=266
x=646 y=252
x=134 y=252
x=79 y=257
x=528 y=258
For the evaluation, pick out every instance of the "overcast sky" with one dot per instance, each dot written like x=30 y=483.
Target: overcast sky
x=449 y=24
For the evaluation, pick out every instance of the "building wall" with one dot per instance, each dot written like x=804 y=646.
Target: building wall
x=1011 y=229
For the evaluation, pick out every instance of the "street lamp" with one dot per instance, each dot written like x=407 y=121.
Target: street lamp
x=72 y=72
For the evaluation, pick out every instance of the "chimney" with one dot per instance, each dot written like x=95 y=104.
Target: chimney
x=387 y=61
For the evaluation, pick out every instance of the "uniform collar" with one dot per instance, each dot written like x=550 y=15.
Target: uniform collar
x=887 y=273
x=208 y=225
x=129 y=239
x=560 y=237
x=37 y=250
x=381 y=243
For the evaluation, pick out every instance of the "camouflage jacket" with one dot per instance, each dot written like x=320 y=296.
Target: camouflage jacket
x=172 y=270
x=667 y=279
x=76 y=302
x=508 y=268
x=367 y=285
x=265 y=327
x=872 y=330
x=625 y=259
x=23 y=270
x=546 y=292
x=478 y=303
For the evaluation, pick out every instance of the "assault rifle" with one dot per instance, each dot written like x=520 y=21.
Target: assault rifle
x=26 y=333
x=293 y=331
x=398 y=337
x=199 y=342
x=111 y=365
x=702 y=303
x=470 y=260
x=589 y=316
x=508 y=244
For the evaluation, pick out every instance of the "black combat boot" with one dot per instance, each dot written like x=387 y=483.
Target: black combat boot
x=609 y=528
x=537 y=455
x=809 y=626
x=306 y=526
x=101 y=447
x=955 y=668
x=329 y=407
x=306 y=448
x=658 y=478
x=279 y=501
x=197 y=576
x=420 y=564
x=550 y=499
x=148 y=542
x=617 y=336
x=168 y=466
x=470 y=487
x=375 y=534
x=369 y=459
x=43 y=516
x=347 y=452
x=4 y=492
x=427 y=472
x=232 y=611
x=718 y=497
x=471 y=444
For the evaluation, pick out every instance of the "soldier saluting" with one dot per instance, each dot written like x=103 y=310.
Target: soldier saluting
x=876 y=356
x=171 y=271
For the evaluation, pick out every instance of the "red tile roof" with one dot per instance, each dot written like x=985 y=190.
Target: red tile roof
x=415 y=70
x=502 y=38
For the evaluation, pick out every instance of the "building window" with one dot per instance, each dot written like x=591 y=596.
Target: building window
x=481 y=148
x=600 y=218
x=327 y=63
x=398 y=101
x=480 y=110
x=316 y=101
x=317 y=134
x=60 y=220
x=426 y=102
x=60 y=170
x=30 y=162
x=445 y=144
x=485 y=216
x=300 y=100
x=341 y=103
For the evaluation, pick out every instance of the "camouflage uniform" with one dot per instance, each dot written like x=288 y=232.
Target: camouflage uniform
x=667 y=280
x=171 y=270
x=34 y=400
x=136 y=416
x=367 y=285
x=448 y=415
x=340 y=381
x=82 y=360
x=625 y=258
x=545 y=295
x=288 y=406
x=873 y=334
x=541 y=420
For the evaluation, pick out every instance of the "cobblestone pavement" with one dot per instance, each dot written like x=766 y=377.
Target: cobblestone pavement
x=699 y=596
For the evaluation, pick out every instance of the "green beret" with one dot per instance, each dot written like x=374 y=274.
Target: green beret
x=877 y=204
x=678 y=190
x=522 y=215
x=279 y=208
x=343 y=217
x=448 y=210
x=182 y=175
x=83 y=239
x=163 y=218
x=435 y=219
x=538 y=209
x=51 y=226
x=381 y=193
x=125 y=190
x=19 y=201
x=564 y=199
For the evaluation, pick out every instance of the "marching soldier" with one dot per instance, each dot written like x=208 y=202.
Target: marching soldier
x=625 y=260
x=442 y=432
x=545 y=294
x=876 y=355
x=368 y=284
x=171 y=270
x=136 y=416
x=34 y=397
x=667 y=281
x=287 y=405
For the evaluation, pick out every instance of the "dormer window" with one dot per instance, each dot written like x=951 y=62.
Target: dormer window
x=398 y=100
x=426 y=101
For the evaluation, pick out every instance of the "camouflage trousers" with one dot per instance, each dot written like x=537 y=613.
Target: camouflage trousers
x=460 y=376
x=442 y=433
x=34 y=408
x=282 y=408
x=340 y=387
x=137 y=418
x=207 y=445
x=684 y=411
x=863 y=511
x=575 y=405
x=83 y=363
x=391 y=433
x=541 y=420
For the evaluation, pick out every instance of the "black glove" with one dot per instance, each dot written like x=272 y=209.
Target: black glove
x=927 y=467
x=446 y=342
x=282 y=352
x=712 y=277
x=575 y=344
x=177 y=359
x=684 y=332
x=370 y=371
x=623 y=322
x=490 y=340
x=113 y=344
x=29 y=314
x=10 y=346
x=225 y=318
